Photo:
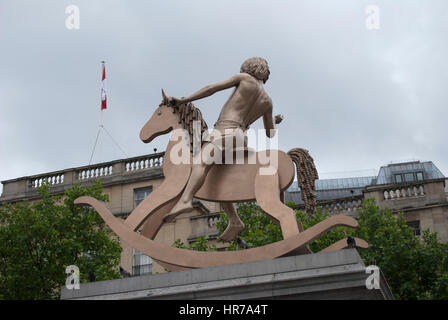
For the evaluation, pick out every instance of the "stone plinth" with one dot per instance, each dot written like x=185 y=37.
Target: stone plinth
x=331 y=275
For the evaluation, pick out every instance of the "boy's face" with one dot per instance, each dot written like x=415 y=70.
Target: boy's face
x=267 y=78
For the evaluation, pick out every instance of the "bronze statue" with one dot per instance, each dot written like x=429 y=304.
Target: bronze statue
x=224 y=183
x=248 y=102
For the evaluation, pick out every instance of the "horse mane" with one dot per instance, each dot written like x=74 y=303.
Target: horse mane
x=187 y=114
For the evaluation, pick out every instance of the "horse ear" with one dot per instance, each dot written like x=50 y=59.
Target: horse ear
x=165 y=97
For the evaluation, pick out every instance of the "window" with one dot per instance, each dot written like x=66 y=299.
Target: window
x=142 y=264
x=409 y=177
x=414 y=225
x=419 y=176
x=140 y=194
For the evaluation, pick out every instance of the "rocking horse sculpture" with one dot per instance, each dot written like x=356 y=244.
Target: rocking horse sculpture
x=224 y=183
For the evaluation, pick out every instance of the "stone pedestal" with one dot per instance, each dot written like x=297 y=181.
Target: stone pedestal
x=331 y=275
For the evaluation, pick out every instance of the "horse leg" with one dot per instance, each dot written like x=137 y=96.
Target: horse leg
x=153 y=225
x=267 y=196
x=235 y=224
x=170 y=188
x=155 y=221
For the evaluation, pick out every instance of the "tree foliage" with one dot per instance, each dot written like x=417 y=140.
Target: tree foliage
x=39 y=239
x=201 y=244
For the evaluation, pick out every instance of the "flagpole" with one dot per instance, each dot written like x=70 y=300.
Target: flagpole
x=100 y=130
x=98 y=140
x=101 y=117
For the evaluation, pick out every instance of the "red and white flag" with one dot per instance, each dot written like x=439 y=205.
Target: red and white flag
x=103 y=90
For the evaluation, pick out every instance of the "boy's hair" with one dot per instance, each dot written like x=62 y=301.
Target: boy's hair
x=256 y=67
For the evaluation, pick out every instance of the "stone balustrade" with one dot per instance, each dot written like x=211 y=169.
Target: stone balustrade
x=107 y=172
x=213 y=220
x=338 y=206
x=405 y=192
x=342 y=206
x=204 y=225
x=143 y=162
x=94 y=172
x=52 y=179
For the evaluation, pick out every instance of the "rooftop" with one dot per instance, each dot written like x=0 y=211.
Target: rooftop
x=387 y=173
x=339 y=183
x=329 y=189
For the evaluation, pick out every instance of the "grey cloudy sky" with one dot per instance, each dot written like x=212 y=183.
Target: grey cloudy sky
x=355 y=98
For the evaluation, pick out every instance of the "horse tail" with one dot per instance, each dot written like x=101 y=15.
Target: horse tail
x=306 y=176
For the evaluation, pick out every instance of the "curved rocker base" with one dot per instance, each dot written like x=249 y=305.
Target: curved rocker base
x=180 y=259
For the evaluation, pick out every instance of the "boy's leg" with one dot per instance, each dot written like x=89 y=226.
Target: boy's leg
x=197 y=177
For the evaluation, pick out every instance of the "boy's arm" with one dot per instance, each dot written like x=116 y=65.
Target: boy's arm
x=207 y=90
x=268 y=122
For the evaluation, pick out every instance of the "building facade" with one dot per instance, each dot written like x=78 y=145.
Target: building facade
x=418 y=189
x=127 y=182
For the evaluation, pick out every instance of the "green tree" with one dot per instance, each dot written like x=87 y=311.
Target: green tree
x=201 y=244
x=260 y=230
x=39 y=239
x=415 y=268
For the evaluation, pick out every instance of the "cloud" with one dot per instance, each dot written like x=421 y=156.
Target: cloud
x=356 y=99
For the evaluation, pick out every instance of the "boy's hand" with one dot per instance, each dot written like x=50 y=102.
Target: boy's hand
x=278 y=118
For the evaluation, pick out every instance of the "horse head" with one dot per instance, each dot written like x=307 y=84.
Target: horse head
x=168 y=117
x=163 y=120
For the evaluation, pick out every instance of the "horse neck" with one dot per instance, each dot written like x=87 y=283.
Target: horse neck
x=171 y=144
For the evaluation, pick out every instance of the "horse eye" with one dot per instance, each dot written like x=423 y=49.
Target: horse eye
x=159 y=113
